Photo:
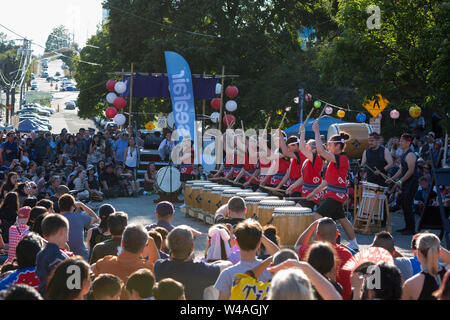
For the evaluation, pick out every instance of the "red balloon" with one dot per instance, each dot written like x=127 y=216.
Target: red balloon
x=229 y=120
x=232 y=92
x=110 y=85
x=111 y=112
x=215 y=103
x=120 y=103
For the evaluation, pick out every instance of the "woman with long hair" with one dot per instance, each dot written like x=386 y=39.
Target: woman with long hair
x=8 y=213
x=335 y=183
x=150 y=177
x=9 y=184
x=219 y=245
x=423 y=285
x=96 y=150
x=101 y=232
x=57 y=288
x=130 y=159
x=71 y=149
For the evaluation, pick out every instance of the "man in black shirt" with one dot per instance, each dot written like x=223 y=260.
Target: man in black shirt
x=233 y=212
x=377 y=158
x=109 y=182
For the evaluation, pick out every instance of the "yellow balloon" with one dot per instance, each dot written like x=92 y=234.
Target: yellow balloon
x=341 y=113
x=415 y=111
x=279 y=112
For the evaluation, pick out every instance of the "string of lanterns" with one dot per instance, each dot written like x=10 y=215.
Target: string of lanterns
x=231 y=105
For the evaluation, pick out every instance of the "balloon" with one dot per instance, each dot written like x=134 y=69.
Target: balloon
x=110 y=85
x=120 y=87
x=229 y=120
x=215 y=103
x=218 y=88
x=361 y=117
x=231 y=105
x=110 y=112
x=215 y=117
x=279 y=112
x=328 y=110
x=317 y=104
x=119 y=119
x=296 y=100
x=110 y=97
x=415 y=111
x=120 y=103
x=341 y=113
x=308 y=97
x=231 y=92
x=394 y=114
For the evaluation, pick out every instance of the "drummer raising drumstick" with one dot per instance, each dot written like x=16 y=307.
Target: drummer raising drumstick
x=310 y=173
x=291 y=149
x=335 y=182
x=377 y=158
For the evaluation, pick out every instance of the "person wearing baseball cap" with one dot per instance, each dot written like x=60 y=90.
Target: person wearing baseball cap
x=164 y=213
x=18 y=231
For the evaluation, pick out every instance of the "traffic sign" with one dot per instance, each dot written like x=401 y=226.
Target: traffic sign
x=149 y=126
x=162 y=122
x=376 y=105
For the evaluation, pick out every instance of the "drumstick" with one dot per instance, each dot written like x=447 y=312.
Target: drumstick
x=294 y=198
x=321 y=114
x=242 y=125
x=273 y=189
x=226 y=119
x=265 y=128
x=307 y=118
x=282 y=120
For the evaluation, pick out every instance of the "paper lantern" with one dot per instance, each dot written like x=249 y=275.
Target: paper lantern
x=229 y=120
x=231 y=92
x=218 y=88
x=119 y=119
x=415 y=111
x=341 y=114
x=328 y=110
x=231 y=105
x=110 y=97
x=120 y=103
x=317 y=104
x=110 y=112
x=296 y=100
x=110 y=85
x=215 y=103
x=215 y=117
x=120 y=87
x=361 y=117
x=279 y=112
x=308 y=97
x=394 y=114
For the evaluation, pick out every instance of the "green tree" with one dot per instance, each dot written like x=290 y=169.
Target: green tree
x=406 y=60
x=59 y=38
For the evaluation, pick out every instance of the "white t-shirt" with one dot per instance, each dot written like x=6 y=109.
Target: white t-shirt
x=225 y=281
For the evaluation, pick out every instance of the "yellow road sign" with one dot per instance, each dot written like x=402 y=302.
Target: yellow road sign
x=149 y=126
x=376 y=105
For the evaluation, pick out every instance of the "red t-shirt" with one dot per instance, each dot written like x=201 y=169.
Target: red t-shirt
x=342 y=276
x=248 y=167
x=188 y=164
x=295 y=171
x=337 y=175
x=311 y=175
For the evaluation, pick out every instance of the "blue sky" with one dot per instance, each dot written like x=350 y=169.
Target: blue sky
x=36 y=19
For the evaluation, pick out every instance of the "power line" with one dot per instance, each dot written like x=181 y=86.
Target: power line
x=39 y=45
x=164 y=25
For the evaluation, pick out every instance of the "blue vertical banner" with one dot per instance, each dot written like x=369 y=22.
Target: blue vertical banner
x=301 y=93
x=181 y=94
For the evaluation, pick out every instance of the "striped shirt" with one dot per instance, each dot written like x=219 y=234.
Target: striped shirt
x=16 y=233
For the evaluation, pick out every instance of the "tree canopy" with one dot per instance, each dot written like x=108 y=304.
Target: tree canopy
x=406 y=60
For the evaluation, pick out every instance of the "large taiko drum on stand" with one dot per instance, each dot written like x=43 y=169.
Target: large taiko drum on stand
x=168 y=179
x=267 y=207
x=371 y=209
x=252 y=204
x=215 y=201
x=291 y=222
x=359 y=137
x=196 y=196
x=228 y=193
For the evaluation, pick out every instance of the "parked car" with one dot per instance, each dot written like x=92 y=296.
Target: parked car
x=70 y=105
x=34 y=85
x=57 y=74
x=34 y=116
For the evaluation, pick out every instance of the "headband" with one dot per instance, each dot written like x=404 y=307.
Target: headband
x=337 y=141
x=407 y=139
x=294 y=142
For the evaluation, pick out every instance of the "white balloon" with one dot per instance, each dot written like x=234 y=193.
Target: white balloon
x=218 y=88
x=120 y=87
x=215 y=117
x=231 y=105
x=119 y=119
x=110 y=97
